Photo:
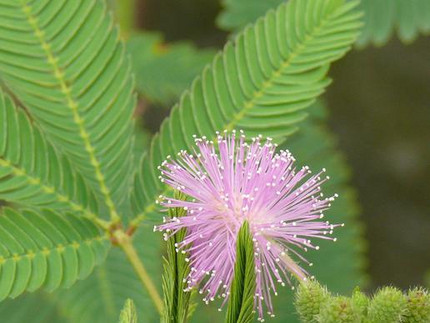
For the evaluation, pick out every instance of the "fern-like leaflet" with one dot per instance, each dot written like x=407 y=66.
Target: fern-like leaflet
x=32 y=172
x=46 y=250
x=100 y=297
x=63 y=60
x=382 y=18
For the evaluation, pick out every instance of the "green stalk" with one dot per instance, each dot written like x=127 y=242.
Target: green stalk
x=126 y=10
x=126 y=244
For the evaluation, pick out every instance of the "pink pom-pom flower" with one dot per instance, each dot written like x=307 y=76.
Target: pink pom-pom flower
x=231 y=181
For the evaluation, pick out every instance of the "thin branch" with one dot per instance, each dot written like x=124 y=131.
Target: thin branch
x=126 y=244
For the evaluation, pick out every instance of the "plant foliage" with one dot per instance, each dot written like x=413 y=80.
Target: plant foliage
x=382 y=18
x=242 y=291
x=261 y=83
x=67 y=142
x=164 y=71
x=32 y=172
x=46 y=250
x=63 y=61
x=100 y=297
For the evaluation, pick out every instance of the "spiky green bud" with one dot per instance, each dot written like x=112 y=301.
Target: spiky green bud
x=128 y=313
x=360 y=301
x=387 y=306
x=418 y=306
x=309 y=298
x=339 y=309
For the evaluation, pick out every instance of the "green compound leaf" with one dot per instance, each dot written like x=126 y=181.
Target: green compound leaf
x=64 y=62
x=32 y=172
x=100 y=297
x=46 y=250
x=241 y=301
x=260 y=83
x=382 y=19
x=176 y=270
x=164 y=71
x=128 y=313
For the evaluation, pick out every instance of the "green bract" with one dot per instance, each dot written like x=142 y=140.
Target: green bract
x=128 y=313
x=241 y=300
x=177 y=301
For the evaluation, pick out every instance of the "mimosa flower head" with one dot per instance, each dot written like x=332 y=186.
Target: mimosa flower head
x=231 y=181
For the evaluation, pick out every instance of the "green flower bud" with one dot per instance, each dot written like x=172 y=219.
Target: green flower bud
x=339 y=309
x=309 y=298
x=418 y=306
x=387 y=306
x=360 y=301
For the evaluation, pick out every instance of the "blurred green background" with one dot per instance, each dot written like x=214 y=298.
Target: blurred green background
x=379 y=108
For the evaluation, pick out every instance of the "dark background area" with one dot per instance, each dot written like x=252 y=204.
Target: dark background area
x=380 y=111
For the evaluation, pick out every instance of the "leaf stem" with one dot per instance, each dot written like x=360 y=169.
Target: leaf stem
x=126 y=11
x=126 y=244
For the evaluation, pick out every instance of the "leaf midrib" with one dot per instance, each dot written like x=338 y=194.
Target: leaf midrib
x=247 y=105
x=74 y=107
x=59 y=247
x=34 y=181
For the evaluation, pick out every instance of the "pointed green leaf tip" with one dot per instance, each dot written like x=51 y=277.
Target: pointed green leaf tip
x=176 y=269
x=310 y=298
x=241 y=302
x=128 y=313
